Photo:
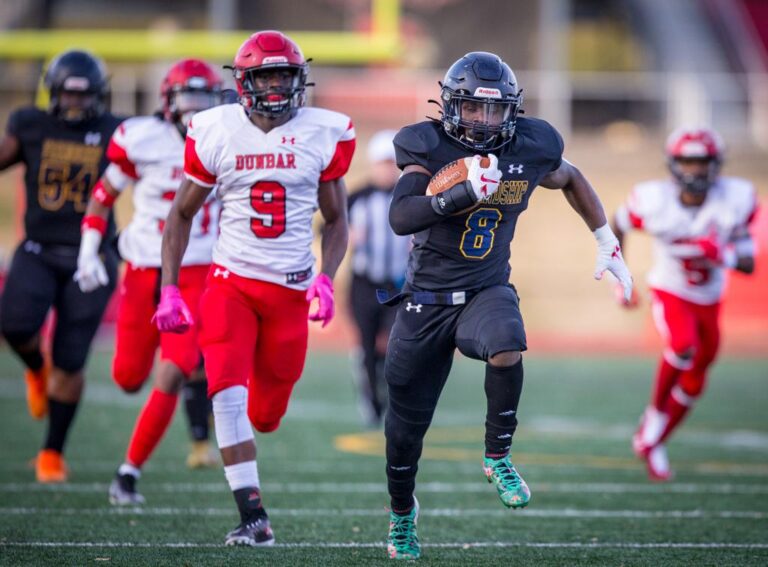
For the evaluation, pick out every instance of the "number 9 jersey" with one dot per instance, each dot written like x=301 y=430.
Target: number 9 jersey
x=268 y=185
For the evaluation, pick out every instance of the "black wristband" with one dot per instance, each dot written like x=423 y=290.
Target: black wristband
x=454 y=200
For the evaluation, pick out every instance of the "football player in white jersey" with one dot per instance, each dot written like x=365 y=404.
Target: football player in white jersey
x=699 y=221
x=148 y=153
x=274 y=162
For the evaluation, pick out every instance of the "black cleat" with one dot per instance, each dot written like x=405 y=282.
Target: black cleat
x=122 y=491
x=255 y=533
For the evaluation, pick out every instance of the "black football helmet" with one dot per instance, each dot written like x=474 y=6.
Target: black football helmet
x=486 y=88
x=77 y=72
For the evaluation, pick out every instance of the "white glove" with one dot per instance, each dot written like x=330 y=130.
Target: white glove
x=609 y=258
x=91 y=272
x=484 y=180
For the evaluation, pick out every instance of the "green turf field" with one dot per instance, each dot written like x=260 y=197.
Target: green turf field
x=324 y=485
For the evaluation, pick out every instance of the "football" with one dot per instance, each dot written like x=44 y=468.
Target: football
x=451 y=174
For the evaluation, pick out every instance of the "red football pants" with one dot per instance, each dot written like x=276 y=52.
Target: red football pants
x=254 y=334
x=688 y=327
x=138 y=339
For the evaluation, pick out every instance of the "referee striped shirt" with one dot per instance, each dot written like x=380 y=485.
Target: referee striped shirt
x=378 y=254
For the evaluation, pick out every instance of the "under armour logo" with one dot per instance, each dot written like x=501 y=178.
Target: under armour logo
x=92 y=138
x=288 y=140
x=410 y=306
x=515 y=168
x=219 y=272
x=616 y=252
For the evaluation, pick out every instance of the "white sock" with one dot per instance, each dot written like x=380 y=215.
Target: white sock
x=653 y=426
x=125 y=468
x=242 y=475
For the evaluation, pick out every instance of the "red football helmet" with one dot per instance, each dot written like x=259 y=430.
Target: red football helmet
x=266 y=52
x=190 y=86
x=697 y=144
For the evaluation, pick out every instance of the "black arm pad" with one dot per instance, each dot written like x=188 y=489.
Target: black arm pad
x=454 y=200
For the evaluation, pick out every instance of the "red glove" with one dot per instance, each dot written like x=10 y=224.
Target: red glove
x=715 y=252
x=172 y=315
x=322 y=289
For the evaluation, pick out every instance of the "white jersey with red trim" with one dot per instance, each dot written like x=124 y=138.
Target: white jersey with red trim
x=268 y=185
x=680 y=266
x=151 y=151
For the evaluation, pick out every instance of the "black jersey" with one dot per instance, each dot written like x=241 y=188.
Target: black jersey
x=63 y=163
x=470 y=251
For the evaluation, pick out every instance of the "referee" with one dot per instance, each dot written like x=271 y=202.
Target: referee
x=379 y=259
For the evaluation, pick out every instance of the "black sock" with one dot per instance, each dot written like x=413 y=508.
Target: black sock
x=404 y=429
x=60 y=416
x=503 y=386
x=249 y=504
x=198 y=408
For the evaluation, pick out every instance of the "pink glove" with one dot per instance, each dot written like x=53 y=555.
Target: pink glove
x=172 y=315
x=322 y=289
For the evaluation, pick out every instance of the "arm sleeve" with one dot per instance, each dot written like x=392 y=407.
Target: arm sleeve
x=411 y=210
x=342 y=156
x=197 y=166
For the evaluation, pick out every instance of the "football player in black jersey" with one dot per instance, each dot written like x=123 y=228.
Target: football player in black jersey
x=63 y=152
x=457 y=293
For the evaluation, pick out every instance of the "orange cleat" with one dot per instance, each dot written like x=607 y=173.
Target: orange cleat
x=50 y=467
x=37 y=391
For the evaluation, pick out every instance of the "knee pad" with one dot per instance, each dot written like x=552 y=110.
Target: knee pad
x=403 y=433
x=231 y=417
x=68 y=359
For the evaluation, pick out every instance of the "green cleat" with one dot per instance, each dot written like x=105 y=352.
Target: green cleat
x=513 y=491
x=403 y=542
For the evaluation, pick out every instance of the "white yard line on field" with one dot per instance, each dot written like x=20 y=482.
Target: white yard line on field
x=539 y=426
x=380 y=512
x=380 y=487
x=442 y=545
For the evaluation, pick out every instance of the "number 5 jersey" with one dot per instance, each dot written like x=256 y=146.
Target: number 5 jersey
x=268 y=185
x=681 y=234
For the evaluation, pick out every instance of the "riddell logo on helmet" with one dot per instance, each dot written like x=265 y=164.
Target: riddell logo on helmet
x=274 y=59
x=488 y=93
x=76 y=84
x=693 y=149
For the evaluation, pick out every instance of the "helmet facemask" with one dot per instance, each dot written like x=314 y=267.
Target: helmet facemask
x=272 y=91
x=480 y=124
x=74 y=106
x=697 y=183
x=184 y=101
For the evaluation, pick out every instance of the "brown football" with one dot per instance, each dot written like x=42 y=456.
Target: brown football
x=451 y=174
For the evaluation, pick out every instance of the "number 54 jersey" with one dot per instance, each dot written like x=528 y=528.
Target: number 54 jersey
x=268 y=185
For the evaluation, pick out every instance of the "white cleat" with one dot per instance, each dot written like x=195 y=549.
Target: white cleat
x=657 y=464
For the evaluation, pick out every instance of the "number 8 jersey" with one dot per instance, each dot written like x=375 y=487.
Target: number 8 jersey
x=268 y=185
